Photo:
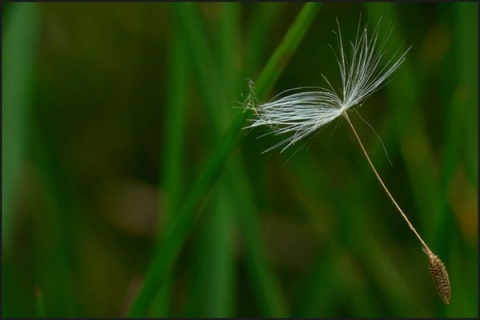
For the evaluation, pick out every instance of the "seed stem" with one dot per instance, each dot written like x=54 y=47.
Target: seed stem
x=425 y=247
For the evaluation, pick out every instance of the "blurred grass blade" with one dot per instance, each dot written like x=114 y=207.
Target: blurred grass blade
x=40 y=304
x=269 y=298
x=188 y=17
x=50 y=268
x=216 y=281
x=287 y=47
x=175 y=126
x=229 y=57
x=263 y=281
x=263 y=17
x=461 y=164
x=177 y=233
x=53 y=236
x=20 y=22
x=213 y=273
x=464 y=107
x=173 y=145
x=20 y=30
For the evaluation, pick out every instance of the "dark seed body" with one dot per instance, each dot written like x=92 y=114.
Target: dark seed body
x=440 y=277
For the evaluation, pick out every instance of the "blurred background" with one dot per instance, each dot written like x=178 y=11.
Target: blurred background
x=111 y=111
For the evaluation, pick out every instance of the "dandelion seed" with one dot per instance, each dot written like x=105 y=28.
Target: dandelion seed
x=299 y=112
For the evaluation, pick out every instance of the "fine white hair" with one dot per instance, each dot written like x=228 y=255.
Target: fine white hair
x=301 y=111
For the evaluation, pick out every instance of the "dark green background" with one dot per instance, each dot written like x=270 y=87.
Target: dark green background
x=111 y=110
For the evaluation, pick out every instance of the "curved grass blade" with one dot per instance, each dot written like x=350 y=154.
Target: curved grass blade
x=184 y=219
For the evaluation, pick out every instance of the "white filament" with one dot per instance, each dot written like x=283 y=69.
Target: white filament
x=302 y=112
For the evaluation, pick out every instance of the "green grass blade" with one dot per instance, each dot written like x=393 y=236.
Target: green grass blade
x=213 y=274
x=40 y=304
x=52 y=234
x=176 y=235
x=289 y=44
x=228 y=44
x=217 y=260
x=20 y=35
x=263 y=281
x=20 y=29
x=175 y=125
x=189 y=21
x=464 y=108
x=459 y=173
x=259 y=26
x=173 y=146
